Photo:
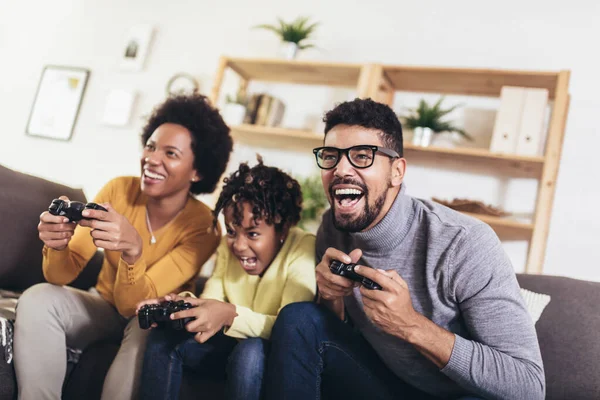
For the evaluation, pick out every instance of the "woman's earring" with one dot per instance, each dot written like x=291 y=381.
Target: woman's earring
x=281 y=240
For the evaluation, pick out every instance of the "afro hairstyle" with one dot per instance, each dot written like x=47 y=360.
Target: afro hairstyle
x=211 y=139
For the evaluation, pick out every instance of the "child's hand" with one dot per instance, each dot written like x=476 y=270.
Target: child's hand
x=210 y=317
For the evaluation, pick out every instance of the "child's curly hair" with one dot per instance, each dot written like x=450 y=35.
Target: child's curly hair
x=274 y=196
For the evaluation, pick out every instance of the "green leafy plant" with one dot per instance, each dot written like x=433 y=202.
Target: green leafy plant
x=426 y=116
x=296 y=31
x=314 y=200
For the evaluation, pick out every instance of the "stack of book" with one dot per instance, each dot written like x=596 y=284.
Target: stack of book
x=265 y=110
x=521 y=121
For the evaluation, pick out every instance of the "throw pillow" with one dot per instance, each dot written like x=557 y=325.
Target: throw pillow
x=535 y=303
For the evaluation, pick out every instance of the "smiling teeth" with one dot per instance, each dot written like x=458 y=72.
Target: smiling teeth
x=246 y=261
x=340 y=192
x=153 y=175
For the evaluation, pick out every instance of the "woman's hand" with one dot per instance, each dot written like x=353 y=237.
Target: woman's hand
x=56 y=231
x=210 y=317
x=112 y=231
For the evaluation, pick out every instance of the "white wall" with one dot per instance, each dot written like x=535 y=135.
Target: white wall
x=191 y=35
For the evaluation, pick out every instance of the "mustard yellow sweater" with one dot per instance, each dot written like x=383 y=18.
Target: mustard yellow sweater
x=170 y=265
x=290 y=278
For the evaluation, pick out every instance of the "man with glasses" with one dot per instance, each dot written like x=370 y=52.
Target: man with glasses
x=449 y=320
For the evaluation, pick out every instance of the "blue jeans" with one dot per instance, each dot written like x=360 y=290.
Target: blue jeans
x=314 y=355
x=240 y=363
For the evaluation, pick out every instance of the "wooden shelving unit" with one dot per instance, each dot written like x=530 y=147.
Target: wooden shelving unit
x=279 y=133
x=298 y=72
x=505 y=227
x=381 y=82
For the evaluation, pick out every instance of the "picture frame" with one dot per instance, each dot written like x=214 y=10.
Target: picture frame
x=135 y=47
x=57 y=102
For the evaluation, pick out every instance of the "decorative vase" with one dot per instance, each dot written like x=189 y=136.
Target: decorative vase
x=234 y=114
x=422 y=136
x=288 y=50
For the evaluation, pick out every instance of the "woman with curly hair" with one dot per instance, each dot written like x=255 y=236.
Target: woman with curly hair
x=155 y=237
x=263 y=263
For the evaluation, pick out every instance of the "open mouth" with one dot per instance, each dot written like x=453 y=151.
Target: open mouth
x=152 y=177
x=347 y=198
x=248 y=263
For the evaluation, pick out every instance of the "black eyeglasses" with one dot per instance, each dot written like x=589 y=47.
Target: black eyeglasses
x=361 y=156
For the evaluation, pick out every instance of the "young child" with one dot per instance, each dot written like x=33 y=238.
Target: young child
x=263 y=263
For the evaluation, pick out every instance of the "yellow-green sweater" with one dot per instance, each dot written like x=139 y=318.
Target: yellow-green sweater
x=289 y=278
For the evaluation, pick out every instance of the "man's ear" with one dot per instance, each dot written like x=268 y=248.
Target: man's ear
x=398 y=170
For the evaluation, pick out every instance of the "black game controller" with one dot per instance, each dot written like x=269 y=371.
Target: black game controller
x=347 y=271
x=72 y=209
x=161 y=315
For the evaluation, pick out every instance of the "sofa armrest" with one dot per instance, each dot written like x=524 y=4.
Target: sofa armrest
x=568 y=335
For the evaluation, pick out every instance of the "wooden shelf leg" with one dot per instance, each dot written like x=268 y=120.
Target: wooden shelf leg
x=547 y=187
x=216 y=88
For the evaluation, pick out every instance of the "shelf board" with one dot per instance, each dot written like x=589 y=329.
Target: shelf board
x=461 y=81
x=297 y=72
x=278 y=132
x=506 y=227
x=277 y=137
x=476 y=158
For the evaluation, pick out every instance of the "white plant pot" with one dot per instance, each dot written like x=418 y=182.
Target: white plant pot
x=422 y=136
x=417 y=134
x=233 y=114
x=288 y=50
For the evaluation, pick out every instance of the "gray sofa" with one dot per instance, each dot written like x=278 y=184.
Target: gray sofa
x=568 y=329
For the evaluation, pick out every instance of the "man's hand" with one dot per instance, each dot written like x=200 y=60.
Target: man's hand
x=390 y=309
x=112 y=231
x=331 y=286
x=56 y=231
x=210 y=317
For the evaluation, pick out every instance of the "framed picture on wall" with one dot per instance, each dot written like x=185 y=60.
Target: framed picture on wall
x=57 y=101
x=135 y=47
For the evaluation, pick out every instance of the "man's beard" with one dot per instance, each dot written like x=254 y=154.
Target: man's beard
x=347 y=223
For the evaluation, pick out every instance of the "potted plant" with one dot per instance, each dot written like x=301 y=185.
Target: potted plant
x=314 y=203
x=234 y=110
x=293 y=35
x=426 y=120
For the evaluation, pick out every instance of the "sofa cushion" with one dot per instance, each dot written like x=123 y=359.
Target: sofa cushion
x=568 y=335
x=8 y=381
x=535 y=303
x=22 y=199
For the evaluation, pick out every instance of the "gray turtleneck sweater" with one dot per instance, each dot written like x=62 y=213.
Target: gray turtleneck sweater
x=461 y=279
